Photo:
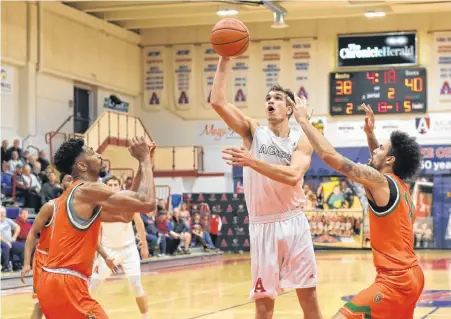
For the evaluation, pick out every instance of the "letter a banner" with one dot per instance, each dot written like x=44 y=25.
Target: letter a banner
x=443 y=59
x=154 y=71
x=210 y=62
x=183 y=69
x=302 y=52
x=271 y=54
x=240 y=75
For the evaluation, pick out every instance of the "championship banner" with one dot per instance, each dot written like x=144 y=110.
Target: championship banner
x=271 y=61
x=210 y=62
x=302 y=51
x=153 y=77
x=240 y=74
x=442 y=42
x=183 y=67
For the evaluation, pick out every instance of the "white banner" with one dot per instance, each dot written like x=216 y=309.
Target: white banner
x=216 y=133
x=443 y=59
x=183 y=73
x=302 y=51
x=271 y=62
x=6 y=79
x=154 y=59
x=433 y=127
x=210 y=62
x=240 y=76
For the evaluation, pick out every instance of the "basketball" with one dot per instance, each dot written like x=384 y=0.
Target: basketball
x=230 y=37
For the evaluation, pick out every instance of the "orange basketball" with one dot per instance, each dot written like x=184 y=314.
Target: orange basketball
x=230 y=37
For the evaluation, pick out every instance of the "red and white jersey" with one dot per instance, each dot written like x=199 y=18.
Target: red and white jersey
x=265 y=196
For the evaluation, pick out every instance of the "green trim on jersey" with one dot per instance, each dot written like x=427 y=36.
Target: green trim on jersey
x=395 y=204
x=366 y=310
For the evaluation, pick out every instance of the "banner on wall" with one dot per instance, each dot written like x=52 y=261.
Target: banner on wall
x=153 y=77
x=215 y=133
x=6 y=79
x=183 y=69
x=442 y=42
x=210 y=62
x=271 y=62
x=433 y=126
x=302 y=51
x=240 y=75
x=121 y=107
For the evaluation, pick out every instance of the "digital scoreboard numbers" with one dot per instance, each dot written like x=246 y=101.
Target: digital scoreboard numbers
x=388 y=91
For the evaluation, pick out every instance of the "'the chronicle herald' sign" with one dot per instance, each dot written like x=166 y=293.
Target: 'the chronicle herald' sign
x=381 y=49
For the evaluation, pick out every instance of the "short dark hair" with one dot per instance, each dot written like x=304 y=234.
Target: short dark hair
x=113 y=178
x=407 y=153
x=288 y=92
x=67 y=153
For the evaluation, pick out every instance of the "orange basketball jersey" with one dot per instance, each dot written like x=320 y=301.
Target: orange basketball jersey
x=74 y=240
x=391 y=231
x=46 y=232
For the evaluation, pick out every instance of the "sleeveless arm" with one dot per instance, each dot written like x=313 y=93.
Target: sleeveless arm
x=140 y=229
x=231 y=115
x=41 y=219
x=360 y=173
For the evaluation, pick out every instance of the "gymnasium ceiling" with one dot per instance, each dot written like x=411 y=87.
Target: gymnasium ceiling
x=139 y=15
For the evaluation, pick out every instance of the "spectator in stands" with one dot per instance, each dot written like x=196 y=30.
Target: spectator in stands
x=33 y=187
x=173 y=239
x=42 y=159
x=38 y=173
x=185 y=215
x=200 y=235
x=181 y=230
x=15 y=148
x=14 y=161
x=32 y=159
x=25 y=226
x=10 y=247
x=215 y=226
x=5 y=157
x=20 y=182
x=127 y=183
x=6 y=179
x=348 y=192
x=51 y=189
x=26 y=156
x=336 y=199
x=163 y=232
x=151 y=231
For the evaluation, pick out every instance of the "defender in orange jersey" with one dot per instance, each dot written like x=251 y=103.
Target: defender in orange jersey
x=42 y=224
x=63 y=285
x=400 y=280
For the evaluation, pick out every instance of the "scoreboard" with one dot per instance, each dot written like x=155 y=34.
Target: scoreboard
x=389 y=91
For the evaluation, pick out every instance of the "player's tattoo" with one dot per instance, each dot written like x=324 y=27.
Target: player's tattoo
x=359 y=171
x=372 y=142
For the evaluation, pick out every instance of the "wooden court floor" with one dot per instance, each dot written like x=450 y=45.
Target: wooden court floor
x=220 y=291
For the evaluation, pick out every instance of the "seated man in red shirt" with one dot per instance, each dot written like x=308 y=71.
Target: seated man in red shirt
x=25 y=226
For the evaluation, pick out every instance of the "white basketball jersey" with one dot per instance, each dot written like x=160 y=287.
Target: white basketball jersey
x=263 y=195
x=117 y=235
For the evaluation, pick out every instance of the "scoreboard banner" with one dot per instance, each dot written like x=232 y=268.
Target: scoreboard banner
x=183 y=74
x=210 y=61
x=154 y=76
x=271 y=55
x=379 y=49
x=240 y=75
x=302 y=51
x=442 y=42
x=389 y=91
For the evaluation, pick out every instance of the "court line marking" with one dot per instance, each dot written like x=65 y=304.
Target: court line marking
x=430 y=313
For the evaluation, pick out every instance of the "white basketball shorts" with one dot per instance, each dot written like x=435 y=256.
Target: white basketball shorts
x=127 y=257
x=282 y=256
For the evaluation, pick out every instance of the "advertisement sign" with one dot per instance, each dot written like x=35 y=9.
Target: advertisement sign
x=378 y=49
x=120 y=107
x=216 y=133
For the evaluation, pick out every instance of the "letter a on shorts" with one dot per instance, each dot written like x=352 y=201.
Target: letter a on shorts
x=259 y=286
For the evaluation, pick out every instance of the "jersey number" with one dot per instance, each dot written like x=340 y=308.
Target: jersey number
x=411 y=206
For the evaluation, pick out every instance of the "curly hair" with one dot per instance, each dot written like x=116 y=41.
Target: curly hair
x=407 y=153
x=67 y=153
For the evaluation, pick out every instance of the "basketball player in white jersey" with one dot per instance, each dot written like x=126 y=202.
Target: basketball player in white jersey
x=119 y=246
x=275 y=159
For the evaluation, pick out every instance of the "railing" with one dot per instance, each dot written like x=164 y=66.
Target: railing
x=179 y=158
x=164 y=192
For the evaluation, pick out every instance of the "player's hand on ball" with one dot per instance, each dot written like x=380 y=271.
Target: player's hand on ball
x=369 y=119
x=237 y=156
x=300 y=108
x=110 y=263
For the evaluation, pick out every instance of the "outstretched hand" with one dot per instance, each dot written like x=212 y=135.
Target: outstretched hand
x=300 y=108
x=369 y=119
x=237 y=156
x=139 y=148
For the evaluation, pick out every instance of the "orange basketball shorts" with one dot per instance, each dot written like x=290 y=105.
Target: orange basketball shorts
x=67 y=296
x=393 y=295
x=38 y=261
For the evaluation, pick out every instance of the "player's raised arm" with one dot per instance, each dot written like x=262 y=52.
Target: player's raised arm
x=363 y=174
x=44 y=216
x=369 y=128
x=231 y=115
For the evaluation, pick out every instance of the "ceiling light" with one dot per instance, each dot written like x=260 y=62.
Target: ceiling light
x=227 y=12
x=279 y=21
x=374 y=14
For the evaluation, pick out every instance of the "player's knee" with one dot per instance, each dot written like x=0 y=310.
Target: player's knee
x=137 y=288
x=264 y=308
